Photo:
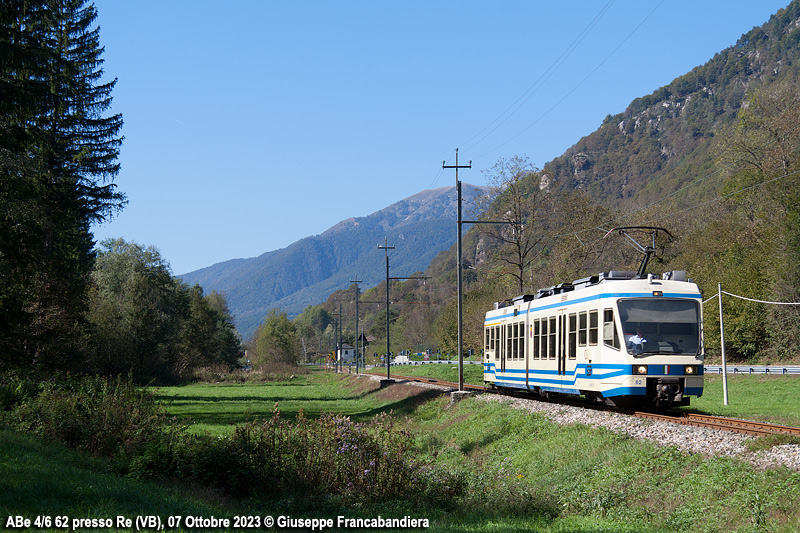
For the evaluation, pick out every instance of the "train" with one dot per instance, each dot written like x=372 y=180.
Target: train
x=623 y=338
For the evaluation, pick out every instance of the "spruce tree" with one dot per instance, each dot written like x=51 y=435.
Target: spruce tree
x=58 y=158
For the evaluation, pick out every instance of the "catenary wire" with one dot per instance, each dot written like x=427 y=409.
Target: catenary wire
x=568 y=94
x=536 y=85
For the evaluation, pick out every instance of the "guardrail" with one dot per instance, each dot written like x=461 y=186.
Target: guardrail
x=754 y=369
x=442 y=362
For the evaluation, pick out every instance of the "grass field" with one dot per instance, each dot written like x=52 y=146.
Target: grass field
x=756 y=397
x=448 y=372
x=216 y=408
x=528 y=474
x=520 y=471
x=43 y=479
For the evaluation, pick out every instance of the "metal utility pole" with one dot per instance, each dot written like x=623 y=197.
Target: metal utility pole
x=722 y=346
x=386 y=248
x=459 y=275
x=357 y=281
x=339 y=341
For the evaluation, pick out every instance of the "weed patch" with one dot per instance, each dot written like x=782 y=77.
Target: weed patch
x=101 y=416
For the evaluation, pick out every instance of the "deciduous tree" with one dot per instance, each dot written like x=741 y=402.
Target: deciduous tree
x=276 y=340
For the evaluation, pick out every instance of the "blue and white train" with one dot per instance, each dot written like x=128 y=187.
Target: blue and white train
x=619 y=337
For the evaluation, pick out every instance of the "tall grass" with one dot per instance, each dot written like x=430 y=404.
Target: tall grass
x=337 y=456
x=331 y=455
x=101 y=416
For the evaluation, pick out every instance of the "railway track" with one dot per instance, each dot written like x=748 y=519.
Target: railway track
x=747 y=427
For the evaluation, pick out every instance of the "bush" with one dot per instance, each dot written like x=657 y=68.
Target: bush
x=15 y=390
x=332 y=456
x=261 y=373
x=336 y=456
x=101 y=416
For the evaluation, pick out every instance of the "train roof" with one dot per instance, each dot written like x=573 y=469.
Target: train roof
x=591 y=281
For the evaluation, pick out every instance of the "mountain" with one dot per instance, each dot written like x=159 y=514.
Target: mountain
x=308 y=271
x=666 y=140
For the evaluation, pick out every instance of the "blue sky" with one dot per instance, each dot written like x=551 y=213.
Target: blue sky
x=253 y=125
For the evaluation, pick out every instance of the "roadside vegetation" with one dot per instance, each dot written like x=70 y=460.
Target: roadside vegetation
x=323 y=444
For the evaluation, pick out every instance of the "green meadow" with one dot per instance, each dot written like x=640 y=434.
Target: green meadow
x=501 y=469
x=218 y=407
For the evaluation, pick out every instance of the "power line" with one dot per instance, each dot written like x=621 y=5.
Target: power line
x=568 y=94
x=534 y=88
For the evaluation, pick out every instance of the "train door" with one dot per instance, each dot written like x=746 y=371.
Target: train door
x=561 y=345
x=548 y=374
x=504 y=346
x=588 y=335
x=568 y=341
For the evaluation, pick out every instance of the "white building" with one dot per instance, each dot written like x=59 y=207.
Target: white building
x=346 y=354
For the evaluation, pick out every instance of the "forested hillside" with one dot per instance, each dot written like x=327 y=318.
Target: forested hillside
x=667 y=140
x=714 y=157
x=306 y=272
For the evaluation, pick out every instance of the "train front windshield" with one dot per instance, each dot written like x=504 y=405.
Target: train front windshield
x=660 y=325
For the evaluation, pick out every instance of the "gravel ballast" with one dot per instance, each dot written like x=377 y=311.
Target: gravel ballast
x=691 y=439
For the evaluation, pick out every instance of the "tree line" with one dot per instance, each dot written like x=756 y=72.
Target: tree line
x=64 y=305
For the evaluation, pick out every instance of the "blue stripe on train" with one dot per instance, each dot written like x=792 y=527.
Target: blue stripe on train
x=593 y=371
x=589 y=299
x=551 y=381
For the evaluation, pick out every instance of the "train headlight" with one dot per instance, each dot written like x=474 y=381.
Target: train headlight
x=640 y=370
x=690 y=370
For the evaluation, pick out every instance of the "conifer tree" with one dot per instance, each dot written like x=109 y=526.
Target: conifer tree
x=58 y=158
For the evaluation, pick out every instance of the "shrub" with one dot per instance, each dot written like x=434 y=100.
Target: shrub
x=332 y=456
x=99 y=415
x=336 y=456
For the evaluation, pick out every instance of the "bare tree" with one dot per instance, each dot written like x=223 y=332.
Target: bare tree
x=514 y=198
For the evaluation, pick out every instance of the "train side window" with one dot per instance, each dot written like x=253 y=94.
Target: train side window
x=544 y=337
x=486 y=341
x=573 y=336
x=610 y=335
x=592 y=327
x=497 y=343
x=509 y=341
x=515 y=347
x=582 y=329
x=535 y=338
x=513 y=354
x=551 y=349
